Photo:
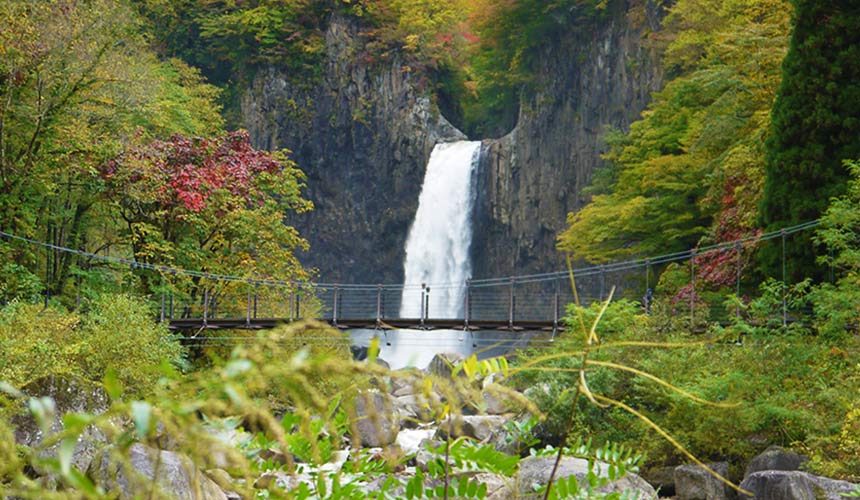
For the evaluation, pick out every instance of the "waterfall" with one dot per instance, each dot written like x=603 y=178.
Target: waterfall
x=437 y=249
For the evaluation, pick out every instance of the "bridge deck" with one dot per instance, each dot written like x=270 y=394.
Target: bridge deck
x=356 y=323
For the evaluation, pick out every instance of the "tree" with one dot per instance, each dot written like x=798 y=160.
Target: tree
x=816 y=125
x=836 y=305
x=214 y=204
x=78 y=84
x=688 y=171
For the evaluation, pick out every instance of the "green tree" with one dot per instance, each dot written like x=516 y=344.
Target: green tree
x=816 y=123
x=78 y=84
x=691 y=167
x=836 y=304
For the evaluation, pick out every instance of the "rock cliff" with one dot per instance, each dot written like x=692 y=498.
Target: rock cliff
x=533 y=177
x=362 y=132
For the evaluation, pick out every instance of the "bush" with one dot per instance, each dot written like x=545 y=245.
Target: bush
x=120 y=333
x=117 y=333
x=37 y=341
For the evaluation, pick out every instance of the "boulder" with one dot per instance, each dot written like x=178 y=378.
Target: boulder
x=794 y=485
x=176 y=476
x=498 y=487
x=775 y=458
x=405 y=383
x=378 y=420
x=413 y=410
x=480 y=427
x=535 y=471
x=693 y=482
x=70 y=394
x=661 y=478
x=443 y=363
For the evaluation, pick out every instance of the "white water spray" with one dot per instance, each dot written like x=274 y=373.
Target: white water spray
x=437 y=249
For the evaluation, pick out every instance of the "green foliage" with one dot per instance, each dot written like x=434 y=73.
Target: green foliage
x=815 y=126
x=690 y=167
x=120 y=335
x=838 y=455
x=117 y=334
x=78 y=85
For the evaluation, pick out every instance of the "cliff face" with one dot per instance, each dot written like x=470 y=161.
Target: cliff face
x=533 y=177
x=363 y=134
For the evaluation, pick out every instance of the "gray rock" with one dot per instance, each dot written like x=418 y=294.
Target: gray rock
x=794 y=485
x=535 y=471
x=413 y=410
x=480 y=427
x=775 y=458
x=661 y=478
x=535 y=174
x=693 y=482
x=70 y=394
x=378 y=420
x=443 y=363
x=176 y=476
x=498 y=487
x=406 y=382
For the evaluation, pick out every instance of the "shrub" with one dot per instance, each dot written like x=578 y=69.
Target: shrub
x=117 y=333
x=37 y=341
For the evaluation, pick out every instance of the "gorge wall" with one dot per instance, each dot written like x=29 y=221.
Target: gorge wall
x=533 y=177
x=363 y=134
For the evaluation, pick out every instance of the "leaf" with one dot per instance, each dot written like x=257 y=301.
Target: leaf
x=321 y=486
x=372 y=350
x=74 y=423
x=462 y=485
x=43 y=410
x=10 y=390
x=65 y=453
x=561 y=488
x=141 y=413
x=112 y=385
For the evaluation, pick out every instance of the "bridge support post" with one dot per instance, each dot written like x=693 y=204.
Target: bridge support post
x=248 y=309
x=292 y=301
x=421 y=306
x=427 y=305
x=648 y=294
x=256 y=297
x=692 y=289
x=205 y=306
x=602 y=281
x=784 y=284
x=299 y=302
x=171 y=293
x=467 y=306
x=378 y=305
x=334 y=306
x=511 y=306
x=555 y=309
x=162 y=314
x=738 y=248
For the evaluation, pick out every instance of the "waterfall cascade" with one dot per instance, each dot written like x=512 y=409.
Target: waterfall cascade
x=437 y=249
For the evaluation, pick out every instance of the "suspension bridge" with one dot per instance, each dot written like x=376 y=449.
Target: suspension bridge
x=534 y=302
